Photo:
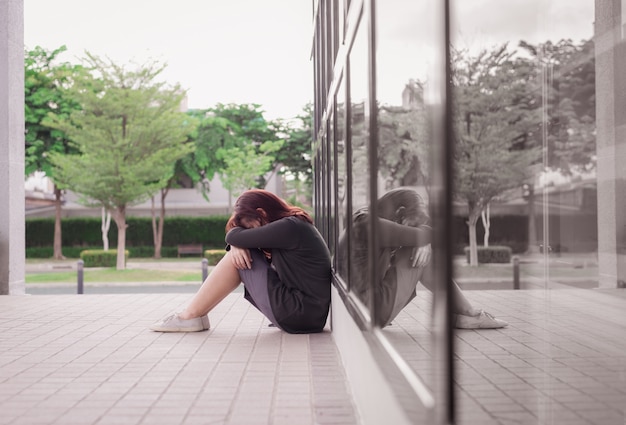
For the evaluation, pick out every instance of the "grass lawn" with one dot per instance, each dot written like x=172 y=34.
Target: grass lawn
x=113 y=275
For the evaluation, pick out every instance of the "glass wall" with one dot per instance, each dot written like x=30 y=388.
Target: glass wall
x=470 y=183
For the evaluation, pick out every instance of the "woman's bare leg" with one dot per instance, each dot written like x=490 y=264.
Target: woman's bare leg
x=466 y=316
x=461 y=303
x=223 y=279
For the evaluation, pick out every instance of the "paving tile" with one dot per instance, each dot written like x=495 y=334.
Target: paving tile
x=92 y=360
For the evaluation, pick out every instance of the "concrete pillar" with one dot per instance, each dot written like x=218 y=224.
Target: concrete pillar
x=11 y=147
x=610 y=45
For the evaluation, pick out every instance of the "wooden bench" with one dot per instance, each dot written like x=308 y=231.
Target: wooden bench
x=195 y=248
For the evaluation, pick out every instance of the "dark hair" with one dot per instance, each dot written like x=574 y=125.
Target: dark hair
x=407 y=198
x=248 y=204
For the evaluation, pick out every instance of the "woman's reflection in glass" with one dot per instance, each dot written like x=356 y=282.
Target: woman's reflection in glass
x=404 y=260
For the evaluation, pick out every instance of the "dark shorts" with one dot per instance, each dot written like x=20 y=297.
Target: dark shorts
x=255 y=282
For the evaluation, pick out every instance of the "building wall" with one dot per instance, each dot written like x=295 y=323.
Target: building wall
x=611 y=140
x=11 y=147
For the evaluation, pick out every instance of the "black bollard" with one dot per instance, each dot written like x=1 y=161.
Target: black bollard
x=79 y=273
x=205 y=269
x=516 y=272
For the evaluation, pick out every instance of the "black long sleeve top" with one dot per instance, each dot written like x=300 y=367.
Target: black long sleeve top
x=299 y=282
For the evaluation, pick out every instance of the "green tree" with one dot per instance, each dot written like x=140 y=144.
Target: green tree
x=211 y=133
x=46 y=82
x=492 y=112
x=294 y=157
x=227 y=133
x=244 y=165
x=129 y=135
x=158 y=223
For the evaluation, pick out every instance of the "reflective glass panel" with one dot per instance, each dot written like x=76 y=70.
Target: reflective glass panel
x=539 y=115
x=359 y=164
x=342 y=172
x=405 y=47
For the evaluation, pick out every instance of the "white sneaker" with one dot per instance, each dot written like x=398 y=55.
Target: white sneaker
x=173 y=323
x=482 y=321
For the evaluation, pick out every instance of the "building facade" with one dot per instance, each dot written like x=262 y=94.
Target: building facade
x=460 y=102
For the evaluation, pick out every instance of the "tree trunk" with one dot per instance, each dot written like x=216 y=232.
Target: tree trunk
x=158 y=242
x=120 y=221
x=471 y=223
x=155 y=236
x=533 y=247
x=106 y=225
x=485 y=215
x=58 y=236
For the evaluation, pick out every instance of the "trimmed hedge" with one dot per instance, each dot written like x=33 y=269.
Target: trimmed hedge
x=48 y=251
x=214 y=255
x=101 y=258
x=85 y=231
x=74 y=251
x=491 y=254
x=148 y=251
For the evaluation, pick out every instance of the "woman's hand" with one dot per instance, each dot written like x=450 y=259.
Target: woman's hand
x=241 y=258
x=421 y=256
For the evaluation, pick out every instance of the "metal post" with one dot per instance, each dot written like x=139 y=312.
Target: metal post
x=516 y=272
x=79 y=272
x=205 y=269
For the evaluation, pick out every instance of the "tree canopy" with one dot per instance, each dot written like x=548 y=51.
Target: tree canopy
x=229 y=136
x=128 y=135
x=46 y=81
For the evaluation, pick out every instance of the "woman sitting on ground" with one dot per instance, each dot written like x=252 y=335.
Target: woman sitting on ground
x=282 y=260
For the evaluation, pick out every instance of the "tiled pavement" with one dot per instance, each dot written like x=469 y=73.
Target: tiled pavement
x=90 y=359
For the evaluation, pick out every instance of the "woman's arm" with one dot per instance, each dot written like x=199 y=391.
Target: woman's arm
x=240 y=258
x=393 y=234
x=281 y=234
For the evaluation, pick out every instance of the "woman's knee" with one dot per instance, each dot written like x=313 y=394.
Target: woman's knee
x=258 y=268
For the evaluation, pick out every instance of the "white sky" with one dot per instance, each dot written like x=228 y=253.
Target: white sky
x=221 y=51
x=407 y=36
x=258 y=51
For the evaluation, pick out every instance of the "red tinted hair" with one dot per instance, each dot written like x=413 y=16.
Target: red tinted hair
x=248 y=203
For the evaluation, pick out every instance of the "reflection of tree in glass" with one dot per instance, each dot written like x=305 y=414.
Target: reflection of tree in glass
x=493 y=111
x=342 y=169
x=360 y=136
x=565 y=87
x=571 y=102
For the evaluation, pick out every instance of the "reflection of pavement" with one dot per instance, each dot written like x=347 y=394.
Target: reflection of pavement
x=561 y=360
